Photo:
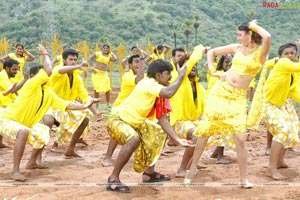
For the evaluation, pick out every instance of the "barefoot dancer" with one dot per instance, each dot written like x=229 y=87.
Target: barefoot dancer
x=68 y=85
x=230 y=92
x=282 y=121
x=100 y=78
x=188 y=102
x=20 y=120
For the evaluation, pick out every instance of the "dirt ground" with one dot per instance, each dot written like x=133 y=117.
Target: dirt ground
x=85 y=178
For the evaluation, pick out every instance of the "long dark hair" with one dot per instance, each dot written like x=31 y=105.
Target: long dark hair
x=255 y=37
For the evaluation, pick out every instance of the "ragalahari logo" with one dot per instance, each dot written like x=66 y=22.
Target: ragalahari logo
x=281 y=5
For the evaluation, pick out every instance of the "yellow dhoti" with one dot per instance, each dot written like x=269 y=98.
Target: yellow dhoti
x=69 y=121
x=151 y=135
x=38 y=135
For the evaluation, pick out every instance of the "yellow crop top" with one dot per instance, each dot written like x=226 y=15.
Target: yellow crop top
x=102 y=58
x=247 y=65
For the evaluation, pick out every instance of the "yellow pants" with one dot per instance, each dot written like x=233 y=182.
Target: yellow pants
x=282 y=122
x=151 y=135
x=38 y=136
x=69 y=121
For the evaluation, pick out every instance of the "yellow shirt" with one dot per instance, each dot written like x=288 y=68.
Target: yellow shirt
x=278 y=85
x=4 y=100
x=21 y=60
x=184 y=107
x=60 y=61
x=102 y=58
x=60 y=83
x=127 y=86
x=216 y=61
x=247 y=65
x=135 y=109
x=156 y=57
x=33 y=101
x=6 y=83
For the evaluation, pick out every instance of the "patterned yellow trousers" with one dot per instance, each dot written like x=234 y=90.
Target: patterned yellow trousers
x=151 y=135
x=69 y=121
x=38 y=136
x=282 y=122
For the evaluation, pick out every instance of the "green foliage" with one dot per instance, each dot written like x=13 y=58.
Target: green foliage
x=131 y=21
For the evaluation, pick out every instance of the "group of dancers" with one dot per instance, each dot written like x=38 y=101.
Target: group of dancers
x=165 y=101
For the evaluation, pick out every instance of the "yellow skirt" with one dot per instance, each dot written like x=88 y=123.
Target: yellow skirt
x=225 y=112
x=151 y=135
x=101 y=81
x=282 y=122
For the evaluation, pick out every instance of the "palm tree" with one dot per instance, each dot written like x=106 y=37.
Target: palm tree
x=196 y=26
x=175 y=34
x=187 y=32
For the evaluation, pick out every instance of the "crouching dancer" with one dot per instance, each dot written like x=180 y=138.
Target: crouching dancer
x=20 y=120
x=129 y=124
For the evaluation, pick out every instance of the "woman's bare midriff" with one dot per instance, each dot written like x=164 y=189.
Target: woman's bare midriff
x=101 y=66
x=238 y=81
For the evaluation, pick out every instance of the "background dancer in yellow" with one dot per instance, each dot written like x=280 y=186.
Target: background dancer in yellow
x=22 y=56
x=100 y=78
x=230 y=92
x=282 y=85
x=68 y=85
x=59 y=61
x=158 y=53
x=134 y=50
x=11 y=68
x=188 y=102
x=20 y=120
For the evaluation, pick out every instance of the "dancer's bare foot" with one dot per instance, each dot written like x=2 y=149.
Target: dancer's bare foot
x=69 y=155
x=35 y=166
x=275 y=174
x=282 y=165
x=55 y=150
x=171 y=142
x=18 y=177
x=201 y=167
x=106 y=162
x=223 y=161
x=81 y=141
